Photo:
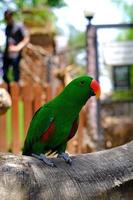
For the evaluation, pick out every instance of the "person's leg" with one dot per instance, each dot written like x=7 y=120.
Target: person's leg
x=16 y=70
x=6 y=63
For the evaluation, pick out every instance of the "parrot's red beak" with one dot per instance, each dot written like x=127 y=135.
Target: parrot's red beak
x=96 y=88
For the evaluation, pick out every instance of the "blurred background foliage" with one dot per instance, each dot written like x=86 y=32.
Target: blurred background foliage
x=77 y=41
x=34 y=12
x=127 y=12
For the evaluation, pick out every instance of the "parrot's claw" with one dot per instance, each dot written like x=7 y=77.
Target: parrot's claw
x=65 y=157
x=44 y=159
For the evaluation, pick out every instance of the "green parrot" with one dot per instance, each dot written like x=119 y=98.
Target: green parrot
x=56 y=122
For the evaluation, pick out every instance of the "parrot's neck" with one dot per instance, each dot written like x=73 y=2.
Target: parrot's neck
x=69 y=103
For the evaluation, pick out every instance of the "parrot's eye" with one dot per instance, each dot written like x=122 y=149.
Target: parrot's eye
x=82 y=82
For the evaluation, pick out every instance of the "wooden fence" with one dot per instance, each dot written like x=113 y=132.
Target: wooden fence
x=26 y=100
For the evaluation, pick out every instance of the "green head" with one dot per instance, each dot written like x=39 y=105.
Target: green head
x=81 y=89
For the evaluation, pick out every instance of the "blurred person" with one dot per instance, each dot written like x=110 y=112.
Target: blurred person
x=16 y=39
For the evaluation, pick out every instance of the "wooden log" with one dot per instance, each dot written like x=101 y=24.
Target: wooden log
x=104 y=175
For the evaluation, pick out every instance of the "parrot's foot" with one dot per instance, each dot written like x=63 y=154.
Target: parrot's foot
x=65 y=157
x=44 y=159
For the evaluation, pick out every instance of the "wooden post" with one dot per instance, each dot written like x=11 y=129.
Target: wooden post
x=59 y=89
x=15 y=117
x=92 y=70
x=3 y=142
x=72 y=146
x=3 y=139
x=27 y=97
x=37 y=97
x=48 y=90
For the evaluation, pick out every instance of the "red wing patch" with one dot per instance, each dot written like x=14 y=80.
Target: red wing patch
x=73 y=129
x=48 y=132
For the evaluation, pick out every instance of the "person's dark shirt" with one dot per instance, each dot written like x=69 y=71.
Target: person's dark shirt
x=15 y=33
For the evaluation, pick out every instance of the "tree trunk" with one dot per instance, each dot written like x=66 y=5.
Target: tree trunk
x=104 y=175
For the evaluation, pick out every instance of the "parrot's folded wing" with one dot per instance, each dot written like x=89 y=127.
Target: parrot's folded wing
x=41 y=126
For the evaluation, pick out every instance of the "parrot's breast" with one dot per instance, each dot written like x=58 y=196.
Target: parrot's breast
x=73 y=129
x=62 y=132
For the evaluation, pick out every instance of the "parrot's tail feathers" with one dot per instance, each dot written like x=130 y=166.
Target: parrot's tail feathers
x=26 y=153
x=26 y=150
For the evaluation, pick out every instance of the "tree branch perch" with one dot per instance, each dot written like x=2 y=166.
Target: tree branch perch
x=104 y=175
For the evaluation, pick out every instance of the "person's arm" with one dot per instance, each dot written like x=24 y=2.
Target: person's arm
x=22 y=43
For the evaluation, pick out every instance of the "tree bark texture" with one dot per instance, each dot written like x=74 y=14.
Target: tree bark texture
x=104 y=175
